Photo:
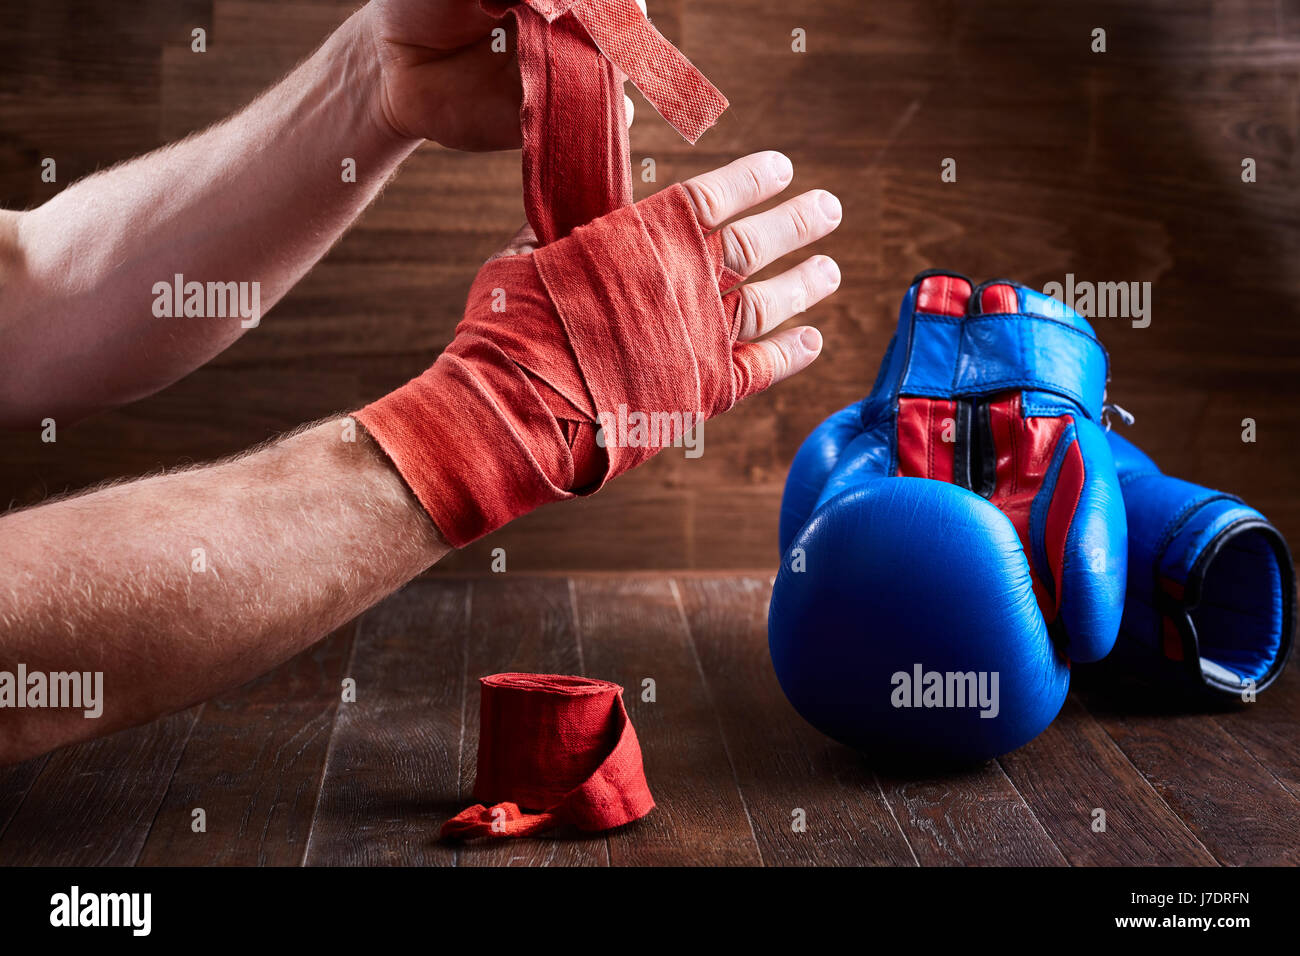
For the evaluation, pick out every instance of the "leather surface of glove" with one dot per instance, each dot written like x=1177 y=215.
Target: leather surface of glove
x=957 y=534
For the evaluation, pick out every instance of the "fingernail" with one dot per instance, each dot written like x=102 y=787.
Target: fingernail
x=830 y=206
x=783 y=168
x=831 y=270
x=811 y=339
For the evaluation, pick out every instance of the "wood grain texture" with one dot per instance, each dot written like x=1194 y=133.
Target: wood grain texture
x=1266 y=729
x=15 y=782
x=973 y=818
x=1074 y=768
x=393 y=770
x=1122 y=166
x=783 y=766
x=93 y=803
x=290 y=774
x=253 y=763
x=632 y=630
x=1231 y=800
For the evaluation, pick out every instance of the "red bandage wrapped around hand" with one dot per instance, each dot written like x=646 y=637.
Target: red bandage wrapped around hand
x=620 y=312
x=626 y=311
x=563 y=746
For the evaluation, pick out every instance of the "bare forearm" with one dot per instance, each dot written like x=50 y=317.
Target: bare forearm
x=258 y=198
x=179 y=586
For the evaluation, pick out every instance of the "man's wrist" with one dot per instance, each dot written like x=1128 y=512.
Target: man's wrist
x=360 y=55
x=368 y=52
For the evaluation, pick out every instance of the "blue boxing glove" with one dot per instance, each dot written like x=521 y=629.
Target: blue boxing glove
x=1211 y=587
x=953 y=539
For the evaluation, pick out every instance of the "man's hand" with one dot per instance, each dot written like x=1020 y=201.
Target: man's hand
x=441 y=79
x=645 y=312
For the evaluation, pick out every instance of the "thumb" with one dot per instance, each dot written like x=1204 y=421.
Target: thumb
x=523 y=242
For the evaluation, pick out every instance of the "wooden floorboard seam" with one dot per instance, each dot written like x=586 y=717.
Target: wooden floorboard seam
x=577 y=624
x=1156 y=790
x=329 y=746
x=1253 y=756
x=162 y=797
x=464 y=703
x=1060 y=851
x=880 y=788
x=717 y=717
x=45 y=759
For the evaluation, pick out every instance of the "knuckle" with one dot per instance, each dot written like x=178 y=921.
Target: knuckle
x=784 y=359
x=800 y=219
x=740 y=242
x=809 y=286
x=707 y=200
x=754 y=309
x=755 y=180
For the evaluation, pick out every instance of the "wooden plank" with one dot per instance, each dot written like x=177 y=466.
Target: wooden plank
x=1232 y=804
x=972 y=818
x=521 y=624
x=547 y=539
x=94 y=802
x=782 y=764
x=15 y=782
x=631 y=629
x=1073 y=768
x=393 y=770
x=1266 y=729
x=254 y=763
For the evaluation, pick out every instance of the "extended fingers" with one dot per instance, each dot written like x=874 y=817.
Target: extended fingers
x=751 y=243
x=765 y=305
x=722 y=193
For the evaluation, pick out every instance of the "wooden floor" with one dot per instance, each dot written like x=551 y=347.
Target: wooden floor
x=288 y=775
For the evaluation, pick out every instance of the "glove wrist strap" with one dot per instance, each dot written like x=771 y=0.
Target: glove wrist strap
x=984 y=354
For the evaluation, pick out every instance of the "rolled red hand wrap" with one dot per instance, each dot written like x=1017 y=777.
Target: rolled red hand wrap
x=563 y=746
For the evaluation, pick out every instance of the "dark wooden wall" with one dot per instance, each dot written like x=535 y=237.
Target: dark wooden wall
x=1124 y=166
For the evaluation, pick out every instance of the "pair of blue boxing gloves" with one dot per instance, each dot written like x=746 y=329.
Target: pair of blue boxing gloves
x=953 y=541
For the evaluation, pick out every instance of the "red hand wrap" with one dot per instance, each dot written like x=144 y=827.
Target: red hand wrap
x=505 y=420
x=561 y=745
x=624 y=313
x=573 y=56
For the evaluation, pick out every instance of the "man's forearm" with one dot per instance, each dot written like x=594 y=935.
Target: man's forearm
x=179 y=586
x=256 y=199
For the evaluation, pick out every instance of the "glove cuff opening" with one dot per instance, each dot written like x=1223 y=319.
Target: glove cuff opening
x=1239 y=608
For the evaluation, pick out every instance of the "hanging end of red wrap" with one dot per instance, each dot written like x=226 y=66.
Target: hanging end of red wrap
x=670 y=82
x=501 y=821
x=703 y=114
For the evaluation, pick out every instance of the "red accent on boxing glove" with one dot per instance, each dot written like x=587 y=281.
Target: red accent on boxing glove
x=560 y=745
x=1025 y=448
